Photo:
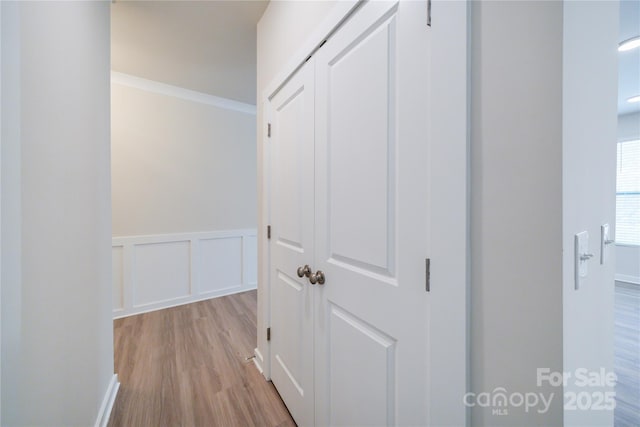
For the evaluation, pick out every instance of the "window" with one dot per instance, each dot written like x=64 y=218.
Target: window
x=628 y=193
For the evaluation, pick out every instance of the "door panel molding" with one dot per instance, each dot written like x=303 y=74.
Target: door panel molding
x=364 y=345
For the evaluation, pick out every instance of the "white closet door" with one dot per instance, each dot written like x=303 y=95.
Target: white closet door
x=292 y=204
x=372 y=149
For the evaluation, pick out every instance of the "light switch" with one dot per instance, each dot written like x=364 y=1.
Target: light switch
x=582 y=257
x=604 y=239
x=605 y=243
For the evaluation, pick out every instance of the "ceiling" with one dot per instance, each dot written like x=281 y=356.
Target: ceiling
x=210 y=46
x=206 y=46
x=629 y=62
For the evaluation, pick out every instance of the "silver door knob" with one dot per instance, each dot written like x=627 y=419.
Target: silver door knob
x=317 y=277
x=304 y=271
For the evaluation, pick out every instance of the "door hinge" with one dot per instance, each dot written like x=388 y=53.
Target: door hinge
x=268 y=334
x=268 y=232
x=427 y=272
x=268 y=130
x=428 y=13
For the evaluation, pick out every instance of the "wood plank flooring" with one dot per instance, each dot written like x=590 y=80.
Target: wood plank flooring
x=627 y=355
x=186 y=366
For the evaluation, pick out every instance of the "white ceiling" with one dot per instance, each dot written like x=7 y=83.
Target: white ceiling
x=629 y=62
x=210 y=46
x=206 y=46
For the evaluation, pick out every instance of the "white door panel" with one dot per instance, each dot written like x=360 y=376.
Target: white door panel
x=371 y=220
x=349 y=197
x=360 y=151
x=362 y=362
x=292 y=243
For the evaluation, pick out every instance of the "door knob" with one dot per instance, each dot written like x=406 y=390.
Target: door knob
x=317 y=277
x=304 y=271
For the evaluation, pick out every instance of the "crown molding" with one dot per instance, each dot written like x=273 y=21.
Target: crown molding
x=179 y=92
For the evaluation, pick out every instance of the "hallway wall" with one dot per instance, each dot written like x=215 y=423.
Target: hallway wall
x=184 y=195
x=181 y=162
x=516 y=205
x=57 y=337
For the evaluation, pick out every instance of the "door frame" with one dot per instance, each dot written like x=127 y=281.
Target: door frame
x=449 y=246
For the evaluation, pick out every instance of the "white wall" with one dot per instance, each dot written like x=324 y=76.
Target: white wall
x=1 y=97
x=282 y=31
x=294 y=22
x=10 y=216
x=183 y=176
x=11 y=194
x=540 y=173
x=57 y=343
x=628 y=127
x=180 y=163
x=516 y=203
x=628 y=257
x=590 y=60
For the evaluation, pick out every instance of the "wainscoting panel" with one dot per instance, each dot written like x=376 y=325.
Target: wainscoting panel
x=251 y=260
x=117 y=277
x=220 y=264
x=160 y=271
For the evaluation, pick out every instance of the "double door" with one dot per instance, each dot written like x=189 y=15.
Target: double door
x=349 y=214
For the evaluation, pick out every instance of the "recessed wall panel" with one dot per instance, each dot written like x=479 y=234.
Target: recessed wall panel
x=117 y=277
x=250 y=260
x=162 y=272
x=220 y=264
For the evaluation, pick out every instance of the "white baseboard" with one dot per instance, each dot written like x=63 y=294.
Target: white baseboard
x=107 y=403
x=160 y=271
x=258 y=360
x=118 y=314
x=632 y=280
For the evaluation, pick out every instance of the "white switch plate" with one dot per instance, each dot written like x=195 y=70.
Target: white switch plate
x=581 y=248
x=604 y=238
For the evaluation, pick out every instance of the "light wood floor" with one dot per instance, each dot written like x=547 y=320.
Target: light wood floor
x=185 y=366
x=627 y=355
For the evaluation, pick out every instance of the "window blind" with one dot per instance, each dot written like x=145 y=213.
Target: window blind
x=628 y=193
